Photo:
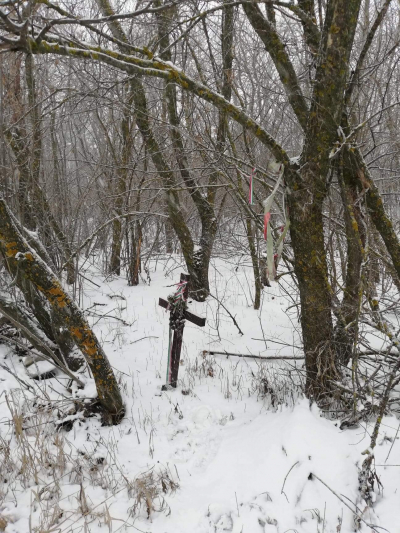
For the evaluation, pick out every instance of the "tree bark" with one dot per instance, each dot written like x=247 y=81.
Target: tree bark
x=122 y=184
x=310 y=267
x=346 y=326
x=376 y=209
x=23 y=258
x=25 y=323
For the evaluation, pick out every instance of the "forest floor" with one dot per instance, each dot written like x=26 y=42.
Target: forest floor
x=235 y=448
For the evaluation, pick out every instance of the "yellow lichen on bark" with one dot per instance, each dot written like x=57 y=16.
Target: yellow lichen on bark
x=86 y=340
x=11 y=249
x=56 y=294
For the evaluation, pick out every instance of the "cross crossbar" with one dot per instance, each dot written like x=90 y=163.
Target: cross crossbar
x=188 y=315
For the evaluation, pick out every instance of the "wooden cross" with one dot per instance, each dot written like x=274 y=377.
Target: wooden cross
x=175 y=353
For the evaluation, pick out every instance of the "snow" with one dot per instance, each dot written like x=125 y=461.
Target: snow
x=169 y=63
x=243 y=463
x=39 y=368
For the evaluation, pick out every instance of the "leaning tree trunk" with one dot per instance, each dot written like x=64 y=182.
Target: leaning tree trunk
x=34 y=206
x=17 y=252
x=49 y=321
x=376 y=210
x=199 y=261
x=30 y=329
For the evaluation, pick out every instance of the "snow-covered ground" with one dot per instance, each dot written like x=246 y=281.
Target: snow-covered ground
x=214 y=455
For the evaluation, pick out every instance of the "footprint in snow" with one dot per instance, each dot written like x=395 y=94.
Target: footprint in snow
x=198 y=437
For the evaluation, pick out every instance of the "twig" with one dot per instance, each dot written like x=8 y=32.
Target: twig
x=284 y=481
x=237 y=505
x=372 y=526
x=104 y=225
x=106 y=315
x=394 y=440
x=229 y=313
x=29 y=387
x=277 y=342
x=89 y=280
x=141 y=338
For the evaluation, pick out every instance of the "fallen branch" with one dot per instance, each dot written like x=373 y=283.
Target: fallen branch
x=266 y=358
x=277 y=342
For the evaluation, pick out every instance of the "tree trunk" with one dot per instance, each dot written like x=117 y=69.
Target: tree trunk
x=308 y=186
x=32 y=199
x=198 y=264
x=18 y=253
x=121 y=200
x=24 y=322
x=255 y=263
x=199 y=287
x=376 y=210
x=355 y=237
x=134 y=260
x=116 y=245
x=310 y=267
x=169 y=237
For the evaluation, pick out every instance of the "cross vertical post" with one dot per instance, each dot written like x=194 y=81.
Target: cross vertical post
x=176 y=347
x=177 y=324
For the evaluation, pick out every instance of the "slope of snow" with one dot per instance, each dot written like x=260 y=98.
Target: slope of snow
x=244 y=463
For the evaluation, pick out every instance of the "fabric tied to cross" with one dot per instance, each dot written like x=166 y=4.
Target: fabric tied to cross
x=179 y=294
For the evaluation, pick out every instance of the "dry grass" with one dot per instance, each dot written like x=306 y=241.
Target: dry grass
x=35 y=457
x=149 y=490
x=276 y=383
x=3 y=523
